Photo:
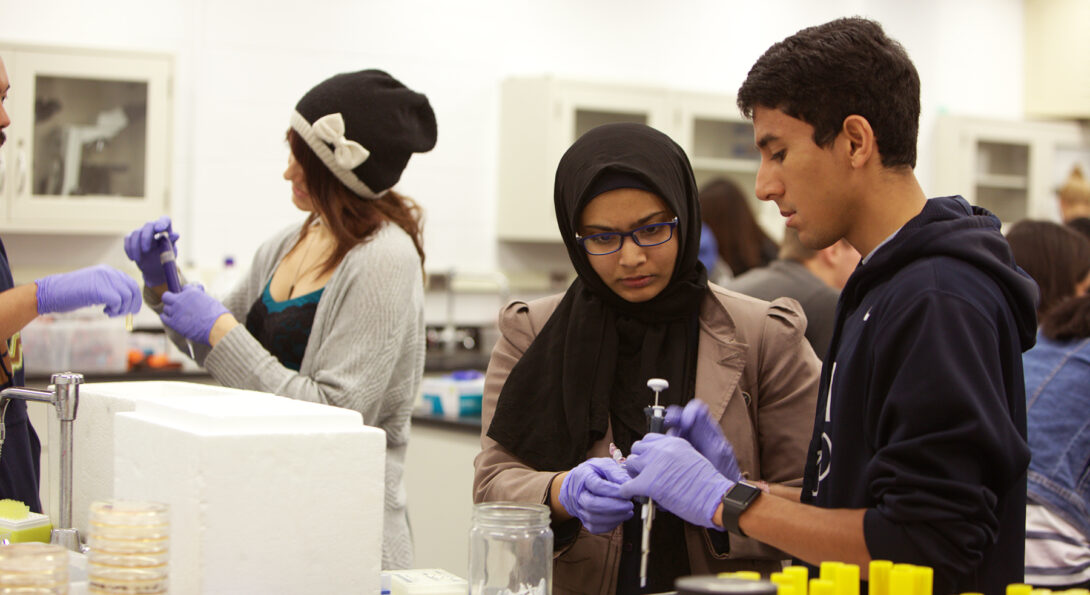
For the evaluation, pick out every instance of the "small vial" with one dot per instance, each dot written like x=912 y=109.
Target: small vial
x=128 y=322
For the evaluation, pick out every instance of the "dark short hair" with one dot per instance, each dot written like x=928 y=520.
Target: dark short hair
x=823 y=74
x=1056 y=256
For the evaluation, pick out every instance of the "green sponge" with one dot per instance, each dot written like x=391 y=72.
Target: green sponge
x=18 y=524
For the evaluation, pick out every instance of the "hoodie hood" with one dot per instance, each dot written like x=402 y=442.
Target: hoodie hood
x=977 y=241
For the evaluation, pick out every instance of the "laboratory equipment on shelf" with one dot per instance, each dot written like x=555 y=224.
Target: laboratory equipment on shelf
x=510 y=549
x=656 y=424
x=64 y=396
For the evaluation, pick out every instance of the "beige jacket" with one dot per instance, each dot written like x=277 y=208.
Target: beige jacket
x=759 y=377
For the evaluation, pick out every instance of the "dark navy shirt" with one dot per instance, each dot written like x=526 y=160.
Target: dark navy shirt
x=20 y=454
x=283 y=328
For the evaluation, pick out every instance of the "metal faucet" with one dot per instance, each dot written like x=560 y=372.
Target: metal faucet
x=65 y=399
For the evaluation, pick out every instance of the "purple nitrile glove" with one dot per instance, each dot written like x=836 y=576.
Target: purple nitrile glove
x=591 y=493
x=695 y=424
x=142 y=248
x=91 y=286
x=670 y=471
x=192 y=312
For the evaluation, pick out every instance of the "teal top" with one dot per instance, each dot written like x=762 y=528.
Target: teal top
x=283 y=328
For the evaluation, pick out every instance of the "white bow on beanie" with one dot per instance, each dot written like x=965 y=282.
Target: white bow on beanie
x=348 y=153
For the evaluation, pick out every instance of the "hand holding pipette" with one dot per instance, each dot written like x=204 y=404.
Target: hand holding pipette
x=695 y=424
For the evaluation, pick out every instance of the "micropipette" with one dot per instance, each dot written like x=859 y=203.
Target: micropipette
x=656 y=423
x=170 y=270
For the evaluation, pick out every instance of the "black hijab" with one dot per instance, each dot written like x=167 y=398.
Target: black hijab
x=590 y=363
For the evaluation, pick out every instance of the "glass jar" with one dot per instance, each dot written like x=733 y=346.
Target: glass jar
x=33 y=567
x=510 y=549
x=128 y=547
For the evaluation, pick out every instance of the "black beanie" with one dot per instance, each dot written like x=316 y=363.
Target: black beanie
x=364 y=126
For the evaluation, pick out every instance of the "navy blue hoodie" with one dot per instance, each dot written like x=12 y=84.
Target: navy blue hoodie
x=921 y=417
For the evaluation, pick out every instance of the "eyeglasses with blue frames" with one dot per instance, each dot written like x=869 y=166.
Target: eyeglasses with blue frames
x=600 y=244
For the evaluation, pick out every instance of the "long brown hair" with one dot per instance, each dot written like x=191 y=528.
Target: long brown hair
x=741 y=240
x=350 y=218
x=1057 y=258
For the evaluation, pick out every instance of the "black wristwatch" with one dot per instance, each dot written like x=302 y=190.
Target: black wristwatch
x=735 y=501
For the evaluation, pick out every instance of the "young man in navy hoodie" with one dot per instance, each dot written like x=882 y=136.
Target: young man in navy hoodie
x=919 y=450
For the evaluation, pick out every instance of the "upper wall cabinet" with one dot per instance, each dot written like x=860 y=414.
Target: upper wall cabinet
x=88 y=149
x=1057 y=69
x=541 y=117
x=1007 y=167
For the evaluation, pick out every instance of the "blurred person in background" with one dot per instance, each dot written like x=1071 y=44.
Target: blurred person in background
x=1081 y=225
x=741 y=242
x=20 y=450
x=331 y=311
x=1057 y=373
x=1074 y=197
x=813 y=277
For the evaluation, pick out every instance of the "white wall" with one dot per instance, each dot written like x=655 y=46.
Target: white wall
x=242 y=64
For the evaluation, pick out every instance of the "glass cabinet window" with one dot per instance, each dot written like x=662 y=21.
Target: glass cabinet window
x=90 y=137
x=586 y=119
x=723 y=139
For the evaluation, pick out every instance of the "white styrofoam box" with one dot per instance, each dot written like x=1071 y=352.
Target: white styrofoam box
x=451 y=397
x=93 y=435
x=267 y=494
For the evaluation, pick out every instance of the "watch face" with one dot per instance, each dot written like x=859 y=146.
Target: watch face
x=743 y=493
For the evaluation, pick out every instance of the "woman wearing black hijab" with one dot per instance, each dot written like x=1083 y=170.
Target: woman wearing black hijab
x=568 y=377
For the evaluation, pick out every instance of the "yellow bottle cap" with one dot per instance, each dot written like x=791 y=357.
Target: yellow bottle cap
x=847 y=579
x=879 y=576
x=820 y=586
x=1019 y=589
x=801 y=576
x=924 y=578
x=902 y=580
x=828 y=571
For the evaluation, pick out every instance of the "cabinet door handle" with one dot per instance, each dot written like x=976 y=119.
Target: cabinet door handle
x=21 y=174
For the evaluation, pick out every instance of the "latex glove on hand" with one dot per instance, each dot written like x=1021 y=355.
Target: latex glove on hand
x=142 y=248
x=91 y=286
x=592 y=493
x=695 y=424
x=192 y=312
x=669 y=470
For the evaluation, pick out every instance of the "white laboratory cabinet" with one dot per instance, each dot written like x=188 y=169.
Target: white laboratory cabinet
x=88 y=149
x=542 y=116
x=1005 y=166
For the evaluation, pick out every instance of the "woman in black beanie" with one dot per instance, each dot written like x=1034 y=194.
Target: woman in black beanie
x=331 y=311
x=567 y=380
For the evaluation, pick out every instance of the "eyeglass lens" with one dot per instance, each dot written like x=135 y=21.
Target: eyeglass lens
x=648 y=235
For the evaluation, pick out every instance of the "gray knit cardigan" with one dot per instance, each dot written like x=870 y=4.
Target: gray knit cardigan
x=365 y=352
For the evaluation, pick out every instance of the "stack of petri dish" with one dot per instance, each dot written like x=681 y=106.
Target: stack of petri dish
x=128 y=547
x=33 y=567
